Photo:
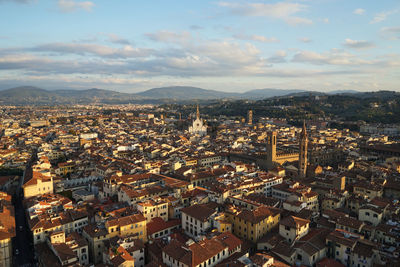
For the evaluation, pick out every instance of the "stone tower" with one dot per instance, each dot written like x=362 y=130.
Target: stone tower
x=197 y=112
x=250 y=117
x=271 y=149
x=303 y=151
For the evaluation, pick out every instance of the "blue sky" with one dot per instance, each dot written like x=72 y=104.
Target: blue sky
x=238 y=45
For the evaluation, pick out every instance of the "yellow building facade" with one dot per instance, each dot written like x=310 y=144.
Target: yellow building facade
x=253 y=224
x=132 y=225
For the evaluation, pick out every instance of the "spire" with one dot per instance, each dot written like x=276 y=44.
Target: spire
x=197 y=112
x=304 y=130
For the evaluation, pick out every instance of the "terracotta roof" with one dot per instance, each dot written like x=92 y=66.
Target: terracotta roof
x=349 y=222
x=7 y=217
x=343 y=237
x=94 y=231
x=200 y=212
x=229 y=240
x=294 y=222
x=158 y=224
x=364 y=248
x=258 y=214
x=126 y=220
x=313 y=242
x=195 y=253
x=32 y=177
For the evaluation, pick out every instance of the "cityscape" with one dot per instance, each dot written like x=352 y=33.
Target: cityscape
x=174 y=134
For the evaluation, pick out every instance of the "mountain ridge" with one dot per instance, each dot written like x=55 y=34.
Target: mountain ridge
x=36 y=95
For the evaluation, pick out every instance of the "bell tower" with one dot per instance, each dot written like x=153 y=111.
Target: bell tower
x=198 y=113
x=271 y=149
x=250 y=117
x=303 y=151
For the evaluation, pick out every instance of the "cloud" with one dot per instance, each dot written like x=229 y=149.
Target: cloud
x=329 y=58
x=358 y=44
x=359 y=11
x=305 y=40
x=342 y=58
x=278 y=57
x=191 y=58
x=18 y=1
x=297 y=20
x=258 y=38
x=282 y=10
x=169 y=37
x=391 y=29
x=113 y=38
x=379 y=17
x=392 y=33
x=189 y=66
x=195 y=27
x=197 y=58
x=92 y=49
x=206 y=62
x=67 y=6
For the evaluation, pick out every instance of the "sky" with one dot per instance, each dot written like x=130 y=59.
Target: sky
x=240 y=45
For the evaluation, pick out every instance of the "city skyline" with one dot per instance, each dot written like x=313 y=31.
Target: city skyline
x=222 y=45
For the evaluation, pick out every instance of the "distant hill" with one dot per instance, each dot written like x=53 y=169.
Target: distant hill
x=185 y=93
x=188 y=92
x=336 y=92
x=383 y=95
x=94 y=92
x=268 y=92
x=27 y=95
x=371 y=107
x=25 y=91
x=32 y=95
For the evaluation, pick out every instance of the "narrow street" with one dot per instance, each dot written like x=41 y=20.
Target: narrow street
x=23 y=242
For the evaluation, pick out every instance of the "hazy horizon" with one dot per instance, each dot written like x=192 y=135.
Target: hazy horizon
x=144 y=90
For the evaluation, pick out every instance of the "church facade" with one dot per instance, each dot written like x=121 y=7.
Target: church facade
x=198 y=126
